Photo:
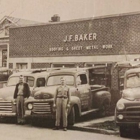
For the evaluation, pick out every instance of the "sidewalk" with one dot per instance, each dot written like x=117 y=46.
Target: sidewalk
x=87 y=126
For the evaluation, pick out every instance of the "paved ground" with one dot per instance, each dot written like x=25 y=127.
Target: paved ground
x=97 y=120
x=85 y=126
x=28 y=132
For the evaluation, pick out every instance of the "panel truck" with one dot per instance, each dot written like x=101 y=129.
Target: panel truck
x=88 y=94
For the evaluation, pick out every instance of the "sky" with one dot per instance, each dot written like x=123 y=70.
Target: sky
x=43 y=10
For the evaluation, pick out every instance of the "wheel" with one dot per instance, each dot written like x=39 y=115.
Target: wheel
x=71 y=117
x=124 y=132
x=34 y=122
x=104 y=110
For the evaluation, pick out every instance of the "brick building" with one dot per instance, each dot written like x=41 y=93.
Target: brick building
x=92 y=40
x=5 y=23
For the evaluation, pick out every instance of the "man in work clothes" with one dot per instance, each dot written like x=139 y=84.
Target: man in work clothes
x=22 y=91
x=62 y=103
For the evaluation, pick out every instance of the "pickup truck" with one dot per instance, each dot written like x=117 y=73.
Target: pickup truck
x=87 y=89
x=127 y=112
x=35 y=79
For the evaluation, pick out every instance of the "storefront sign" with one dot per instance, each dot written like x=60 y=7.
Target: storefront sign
x=80 y=37
x=79 y=48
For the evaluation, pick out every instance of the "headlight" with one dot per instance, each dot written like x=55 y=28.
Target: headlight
x=120 y=106
x=120 y=117
x=14 y=102
x=30 y=106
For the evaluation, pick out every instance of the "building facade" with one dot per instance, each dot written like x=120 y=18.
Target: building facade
x=93 y=40
x=5 y=23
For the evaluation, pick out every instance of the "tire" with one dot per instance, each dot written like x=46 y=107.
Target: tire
x=34 y=122
x=124 y=132
x=71 y=117
x=104 y=110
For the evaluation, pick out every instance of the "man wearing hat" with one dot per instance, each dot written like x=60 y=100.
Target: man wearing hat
x=22 y=91
x=62 y=103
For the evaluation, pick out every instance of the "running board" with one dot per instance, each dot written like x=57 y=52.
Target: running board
x=87 y=112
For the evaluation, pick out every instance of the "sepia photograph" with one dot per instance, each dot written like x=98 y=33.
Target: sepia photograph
x=70 y=69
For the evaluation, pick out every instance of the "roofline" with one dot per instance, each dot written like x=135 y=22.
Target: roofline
x=6 y=17
x=82 y=19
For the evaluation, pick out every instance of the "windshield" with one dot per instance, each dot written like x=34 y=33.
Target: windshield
x=15 y=79
x=12 y=81
x=55 y=80
x=133 y=80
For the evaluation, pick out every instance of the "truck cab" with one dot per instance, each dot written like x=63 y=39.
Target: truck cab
x=87 y=94
x=127 y=112
x=35 y=79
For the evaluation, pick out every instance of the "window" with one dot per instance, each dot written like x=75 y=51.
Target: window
x=55 y=80
x=29 y=80
x=82 y=79
x=13 y=81
x=21 y=65
x=40 y=82
x=133 y=80
x=4 y=58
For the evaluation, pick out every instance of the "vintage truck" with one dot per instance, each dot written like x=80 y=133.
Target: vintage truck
x=88 y=89
x=35 y=79
x=127 y=112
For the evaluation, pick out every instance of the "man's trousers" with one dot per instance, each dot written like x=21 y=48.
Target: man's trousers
x=61 y=111
x=20 y=108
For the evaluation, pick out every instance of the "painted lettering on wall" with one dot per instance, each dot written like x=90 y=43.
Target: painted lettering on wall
x=80 y=37
x=79 y=48
x=108 y=46
x=53 y=49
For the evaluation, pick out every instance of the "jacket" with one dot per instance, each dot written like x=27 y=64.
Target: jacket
x=26 y=91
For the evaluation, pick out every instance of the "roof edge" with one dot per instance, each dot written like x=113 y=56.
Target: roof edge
x=83 y=19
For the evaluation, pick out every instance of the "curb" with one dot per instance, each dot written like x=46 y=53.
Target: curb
x=95 y=130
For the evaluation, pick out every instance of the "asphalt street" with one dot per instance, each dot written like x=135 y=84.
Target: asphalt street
x=29 y=132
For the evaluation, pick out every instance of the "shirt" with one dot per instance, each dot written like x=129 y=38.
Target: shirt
x=20 y=89
x=62 y=91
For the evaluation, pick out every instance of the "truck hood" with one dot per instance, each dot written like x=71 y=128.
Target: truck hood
x=7 y=93
x=131 y=93
x=45 y=93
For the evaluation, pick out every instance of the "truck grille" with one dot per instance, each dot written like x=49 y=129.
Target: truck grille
x=5 y=107
x=133 y=113
x=42 y=108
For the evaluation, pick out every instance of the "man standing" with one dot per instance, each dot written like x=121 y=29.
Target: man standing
x=22 y=91
x=61 y=103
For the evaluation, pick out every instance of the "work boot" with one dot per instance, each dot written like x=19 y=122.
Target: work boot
x=65 y=129
x=56 y=128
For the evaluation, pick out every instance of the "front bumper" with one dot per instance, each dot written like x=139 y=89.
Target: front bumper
x=7 y=115
x=30 y=114
x=128 y=124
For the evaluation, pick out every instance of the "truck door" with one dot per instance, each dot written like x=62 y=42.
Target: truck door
x=84 y=91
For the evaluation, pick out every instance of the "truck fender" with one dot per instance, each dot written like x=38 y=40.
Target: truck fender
x=76 y=103
x=104 y=99
x=103 y=96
